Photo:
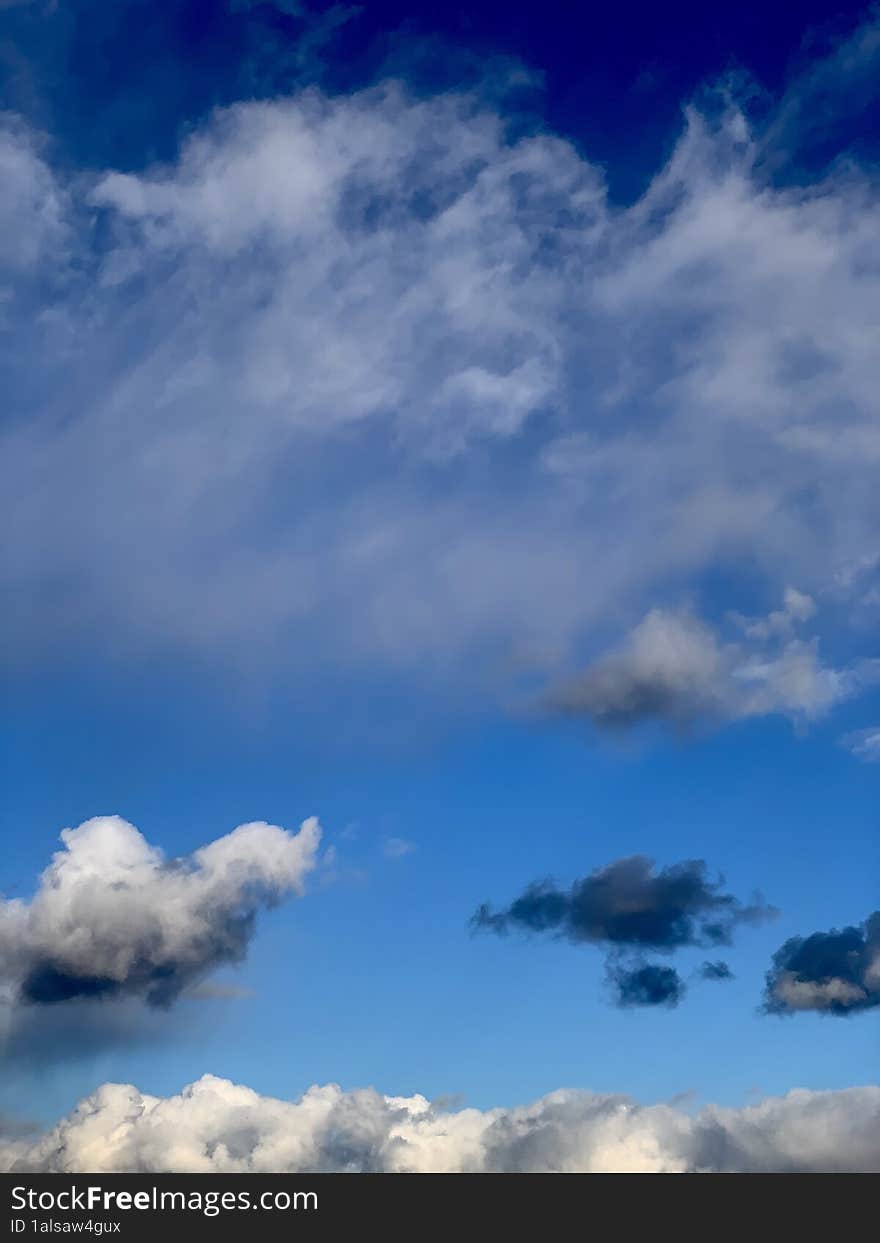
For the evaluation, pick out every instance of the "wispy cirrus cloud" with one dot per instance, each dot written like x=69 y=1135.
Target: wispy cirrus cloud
x=533 y=414
x=864 y=744
x=397 y=847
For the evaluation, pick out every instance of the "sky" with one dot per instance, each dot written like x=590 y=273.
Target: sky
x=441 y=585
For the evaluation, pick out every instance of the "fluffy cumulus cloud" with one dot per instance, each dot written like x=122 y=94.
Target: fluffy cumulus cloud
x=112 y=918
x=217 y=1126
x=387 y=372
x=628 y=908
x=836 y=972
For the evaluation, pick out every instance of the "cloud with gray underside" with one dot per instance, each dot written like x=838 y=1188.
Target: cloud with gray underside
x=112 y=918
x=836 y=972
x=675 y=669
x=630 y=908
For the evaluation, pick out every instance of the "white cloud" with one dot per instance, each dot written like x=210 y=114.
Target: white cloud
x=33 y=205
x=112 y=918
x=215 y=1125
x=672 y=667
x=363 y=376
x=794 y=683
x=397 y=847
x=797 y=607
x=864 y=744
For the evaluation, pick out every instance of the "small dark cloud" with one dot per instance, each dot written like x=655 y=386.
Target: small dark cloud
x=630 y=908
x=646 y=984
x=541 y=908
x=836 y=972
x=715 y=971
x=630 y=904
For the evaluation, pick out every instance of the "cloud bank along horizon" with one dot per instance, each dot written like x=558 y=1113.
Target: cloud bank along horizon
x=216 y=1126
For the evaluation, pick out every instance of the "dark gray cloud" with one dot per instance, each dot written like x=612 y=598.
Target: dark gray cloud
x=630 y=904
x=836 y=972
x=715 y=971
x=646 y=984
x=630 y=907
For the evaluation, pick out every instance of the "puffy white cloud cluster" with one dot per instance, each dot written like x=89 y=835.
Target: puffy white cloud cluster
x=112 y=917
x=215 y=1125
x=376 y=371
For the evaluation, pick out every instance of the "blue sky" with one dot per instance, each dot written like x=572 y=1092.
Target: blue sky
x=482 y=463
